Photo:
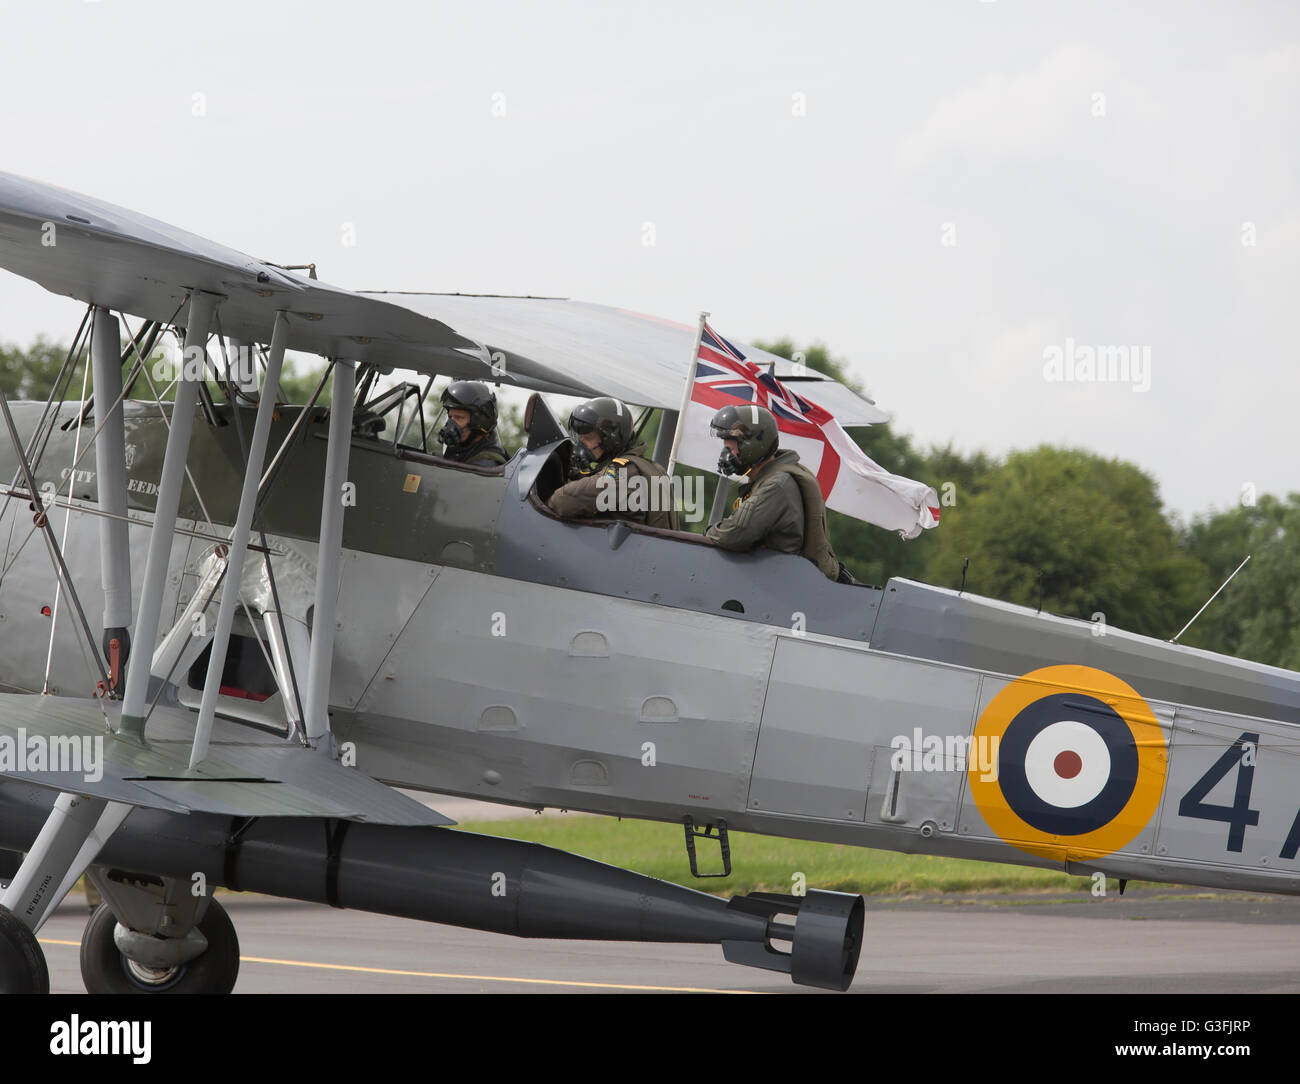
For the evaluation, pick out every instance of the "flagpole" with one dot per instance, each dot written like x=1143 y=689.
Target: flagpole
x=686 y=394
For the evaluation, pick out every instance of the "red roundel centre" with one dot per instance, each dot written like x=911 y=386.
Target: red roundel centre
x=1068 y=764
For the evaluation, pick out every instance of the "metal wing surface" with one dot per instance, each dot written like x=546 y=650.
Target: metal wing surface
x=246 y=773
x=94 y=251
x=584 y=349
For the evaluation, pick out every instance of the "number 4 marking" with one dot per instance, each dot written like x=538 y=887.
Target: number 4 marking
x=1239 y=814
x=1292 y=844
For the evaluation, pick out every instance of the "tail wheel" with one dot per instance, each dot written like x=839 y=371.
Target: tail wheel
x=22 y=963
x=106 y=971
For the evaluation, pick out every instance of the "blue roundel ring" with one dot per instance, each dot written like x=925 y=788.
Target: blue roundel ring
x=1041 y=812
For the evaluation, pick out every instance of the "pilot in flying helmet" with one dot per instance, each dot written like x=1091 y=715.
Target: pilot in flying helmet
x=606 y=468
x=470 y=433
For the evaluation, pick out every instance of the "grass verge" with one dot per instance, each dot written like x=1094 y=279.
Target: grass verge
x=769 y=864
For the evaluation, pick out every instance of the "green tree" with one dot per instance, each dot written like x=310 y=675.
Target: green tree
x=30 y=373
x=955 y=476
x=1258 y=615
x=298 y=379
x=1085 y=531
x=872 y=553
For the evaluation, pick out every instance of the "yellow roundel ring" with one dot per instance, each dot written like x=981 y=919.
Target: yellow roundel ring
x=1081 y=763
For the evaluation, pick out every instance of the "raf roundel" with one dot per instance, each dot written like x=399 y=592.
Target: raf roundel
x=1081 y=763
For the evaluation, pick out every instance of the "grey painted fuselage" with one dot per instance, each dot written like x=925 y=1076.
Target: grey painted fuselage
x=486 y=648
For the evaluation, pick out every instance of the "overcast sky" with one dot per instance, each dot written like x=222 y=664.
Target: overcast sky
x=949 y=195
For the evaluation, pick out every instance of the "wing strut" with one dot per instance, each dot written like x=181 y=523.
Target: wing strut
x=331 y=548
x=164 y=523
x=239 y=538
x=110 y=463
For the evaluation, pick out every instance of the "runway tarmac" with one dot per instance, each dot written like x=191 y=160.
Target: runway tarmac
x=955 y=944
x=1152 y=940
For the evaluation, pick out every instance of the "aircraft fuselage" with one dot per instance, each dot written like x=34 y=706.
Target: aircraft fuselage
x=486 y=648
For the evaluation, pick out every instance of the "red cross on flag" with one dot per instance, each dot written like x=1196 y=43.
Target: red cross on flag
x=850 y=481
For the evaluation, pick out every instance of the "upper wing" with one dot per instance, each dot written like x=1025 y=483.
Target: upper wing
x=94 y=251
x=585 y=349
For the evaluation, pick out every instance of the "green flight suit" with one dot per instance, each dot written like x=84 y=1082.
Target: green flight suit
x=781 y=508
x=598 y=495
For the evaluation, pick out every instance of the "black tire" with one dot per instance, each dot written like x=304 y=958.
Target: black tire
x=22 y=963
x=106 y=971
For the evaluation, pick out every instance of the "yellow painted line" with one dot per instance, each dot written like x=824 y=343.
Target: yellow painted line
x=491 y=978
x=467 y=978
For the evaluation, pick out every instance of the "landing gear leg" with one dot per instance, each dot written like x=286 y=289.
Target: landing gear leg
x=72 y=836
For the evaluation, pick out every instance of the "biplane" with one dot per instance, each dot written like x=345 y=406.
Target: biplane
x=304 y=608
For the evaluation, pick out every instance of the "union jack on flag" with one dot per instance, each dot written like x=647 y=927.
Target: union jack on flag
x=850 y=481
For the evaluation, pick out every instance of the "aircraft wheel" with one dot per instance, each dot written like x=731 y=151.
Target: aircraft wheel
x=106 y=971
x=22 y=963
